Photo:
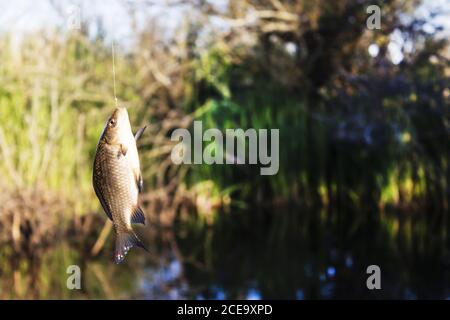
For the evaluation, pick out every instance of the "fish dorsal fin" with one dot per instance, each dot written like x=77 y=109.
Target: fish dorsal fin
x=139 y=133
x=138 y=216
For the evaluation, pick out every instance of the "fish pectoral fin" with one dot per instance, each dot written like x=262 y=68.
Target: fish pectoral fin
x=139 y=133
x=123 y=150
x=139 y=180
x=138 y=216
x=140 y=184
x=124 y=242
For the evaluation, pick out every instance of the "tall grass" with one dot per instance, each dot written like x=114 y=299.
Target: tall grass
x=52 y=107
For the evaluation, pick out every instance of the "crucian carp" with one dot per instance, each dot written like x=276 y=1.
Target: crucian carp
x=118 y=181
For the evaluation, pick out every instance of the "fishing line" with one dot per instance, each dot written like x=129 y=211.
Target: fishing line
x=114 y=71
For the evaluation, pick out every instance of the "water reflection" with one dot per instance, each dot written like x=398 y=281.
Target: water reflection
x=245 y=255
x=164 y=282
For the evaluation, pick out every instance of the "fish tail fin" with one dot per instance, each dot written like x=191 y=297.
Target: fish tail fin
x=124 y=242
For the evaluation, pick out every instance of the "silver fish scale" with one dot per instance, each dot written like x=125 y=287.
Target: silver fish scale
x=115 y=183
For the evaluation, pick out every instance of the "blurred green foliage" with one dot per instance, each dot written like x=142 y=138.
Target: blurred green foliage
x=354 y=128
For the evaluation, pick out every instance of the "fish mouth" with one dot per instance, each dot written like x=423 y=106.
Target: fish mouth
x=120 y=112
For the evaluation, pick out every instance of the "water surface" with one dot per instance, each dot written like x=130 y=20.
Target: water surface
x=276 y=254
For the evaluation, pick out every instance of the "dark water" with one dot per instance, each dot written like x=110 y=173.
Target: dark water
x=289 y=254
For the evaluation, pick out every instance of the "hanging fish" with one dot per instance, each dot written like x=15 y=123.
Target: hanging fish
x=118 y=181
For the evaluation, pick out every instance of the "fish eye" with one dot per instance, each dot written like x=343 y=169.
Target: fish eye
x=112 y=122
